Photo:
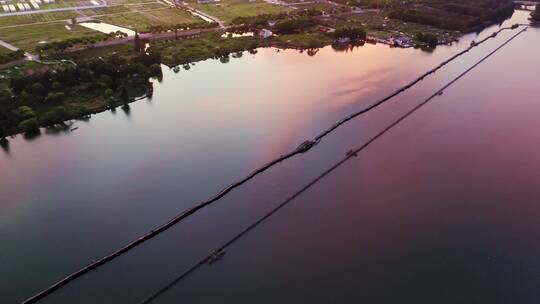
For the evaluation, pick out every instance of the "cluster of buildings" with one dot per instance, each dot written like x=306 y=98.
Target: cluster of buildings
x=23 y=6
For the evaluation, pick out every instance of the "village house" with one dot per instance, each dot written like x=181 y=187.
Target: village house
x=402 y=40
x=264 y=33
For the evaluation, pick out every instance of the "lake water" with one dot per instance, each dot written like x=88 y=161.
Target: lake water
x=442 y=209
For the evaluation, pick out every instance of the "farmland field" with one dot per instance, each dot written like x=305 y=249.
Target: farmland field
x=227 y=10
x=29 y=36
x=27 y=31
x=141 y=20
x=36 y=18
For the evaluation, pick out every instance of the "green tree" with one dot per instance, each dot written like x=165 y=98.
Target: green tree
x=3 y=133
x=5 y=95
x=353 y=33
x=60 y=113
x=110 y=98
x=155 y=70
x=26 y=112
x=37 y=89
x=56 y=86
x=138 y=43
x=109 y=93
x=428 y=38
x=29 y=125
x=54 y=97
x=124 y=94
x=105 y=81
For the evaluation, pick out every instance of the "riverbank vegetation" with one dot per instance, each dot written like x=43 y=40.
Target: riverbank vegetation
x=85 y=74
x=49 y=96
x=9 y=56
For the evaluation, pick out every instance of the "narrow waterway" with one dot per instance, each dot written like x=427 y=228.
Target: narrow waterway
x=443 y=209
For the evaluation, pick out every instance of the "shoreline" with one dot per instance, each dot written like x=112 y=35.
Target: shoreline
x=239 y=45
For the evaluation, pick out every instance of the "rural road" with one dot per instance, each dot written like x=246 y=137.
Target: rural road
x=8 y=46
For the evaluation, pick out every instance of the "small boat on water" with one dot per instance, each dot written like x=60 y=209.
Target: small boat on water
x=216 y=256
x=351 y=153
x=76 y=128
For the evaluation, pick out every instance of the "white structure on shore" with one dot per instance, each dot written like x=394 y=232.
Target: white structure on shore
x=402 y=40
x=264 y=33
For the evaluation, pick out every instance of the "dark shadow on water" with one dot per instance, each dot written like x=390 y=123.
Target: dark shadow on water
x=312 y=52
x=127 y=109
x=237 y=54
x=4 y=144
x=32 y=135
x=347 y=47
x=427 y=49
x=85 y=118
x=224 y=59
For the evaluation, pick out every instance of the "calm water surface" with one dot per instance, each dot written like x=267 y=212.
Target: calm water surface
x=443 y=209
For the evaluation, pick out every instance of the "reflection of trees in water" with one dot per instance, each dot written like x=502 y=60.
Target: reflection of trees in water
x=313 y=51
x=4 y=144
x=127 y=109
x=85 y=118
x=427 y=49
x=347 y=47
x=224 y=59
x=237 y=54
x=32 y=135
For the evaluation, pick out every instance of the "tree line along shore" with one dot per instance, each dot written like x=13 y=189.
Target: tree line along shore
x=88 y=79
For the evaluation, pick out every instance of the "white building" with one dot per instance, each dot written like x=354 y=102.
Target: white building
x=402 y=40
x=264 y=33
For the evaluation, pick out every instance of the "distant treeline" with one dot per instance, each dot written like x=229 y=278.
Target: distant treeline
x=61 y=46
x=353 y=33
x=455 y=15
x=180 y=26
x=282 y=23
